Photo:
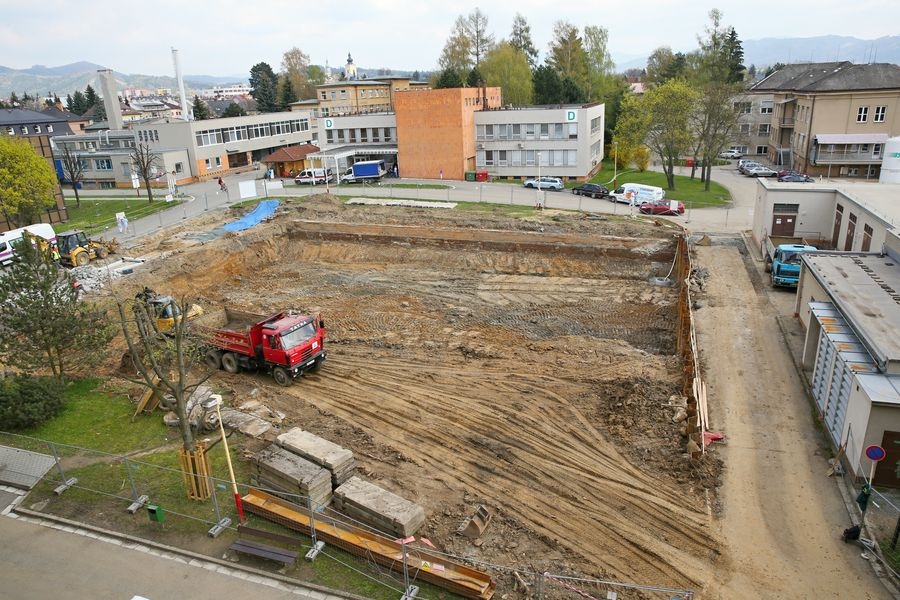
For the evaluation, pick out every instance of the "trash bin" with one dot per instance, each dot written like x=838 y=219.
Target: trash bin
x=155 y=513
x=78 y=185
x=481 y=175
x=689 y=162
x=470 y=175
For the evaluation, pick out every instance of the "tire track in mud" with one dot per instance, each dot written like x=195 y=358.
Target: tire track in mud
x=556 y=472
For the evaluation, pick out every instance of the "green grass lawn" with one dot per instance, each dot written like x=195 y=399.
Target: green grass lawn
x=690 y=191
x=98 y=215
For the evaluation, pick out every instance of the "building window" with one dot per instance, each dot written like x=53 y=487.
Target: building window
x=545 y=131
x=371 y=93
x=24 y=129
x=862 y=114
x=343 y=94
x=853 y=172
x=745 y=128
x=218 y=161
x=103 y=164
x=529 y=131
x=742 y=107
x=387 y=134
x=329 y=136
x=762 y=149
x=37 y=128
x=179 y=167
x=765 y=107
x=324 y=95
x=208 y=164
x=10 y=131
x=764 y=129
x=880 y=112
x=516 y=131
x=488 y=132
x=351 y=136
x=375 y=134
x=333 y=95
x=364 y=134
x=876 y=150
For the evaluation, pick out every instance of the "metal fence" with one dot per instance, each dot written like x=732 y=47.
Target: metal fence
x=141 y=495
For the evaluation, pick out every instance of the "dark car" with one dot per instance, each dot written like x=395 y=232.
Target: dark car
x=662 y=207
x=796 y=178
x=594 y=190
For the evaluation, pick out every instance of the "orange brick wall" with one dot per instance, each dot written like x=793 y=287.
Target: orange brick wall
x=436 y=130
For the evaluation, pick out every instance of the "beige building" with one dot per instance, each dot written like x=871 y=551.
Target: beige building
x=832 y=119
x=363 y=96
x=751 y=138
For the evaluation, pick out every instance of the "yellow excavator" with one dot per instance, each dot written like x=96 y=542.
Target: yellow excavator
x=165 y=310
x=76 y=249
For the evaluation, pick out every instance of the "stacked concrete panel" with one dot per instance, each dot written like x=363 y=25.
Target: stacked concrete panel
x=379 y=508
x=339 y=461
x=281 y=471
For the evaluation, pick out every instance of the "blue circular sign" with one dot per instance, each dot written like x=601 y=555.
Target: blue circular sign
x=875 y=453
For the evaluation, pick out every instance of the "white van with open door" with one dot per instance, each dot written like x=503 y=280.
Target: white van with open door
x=8 y=239
x=636 y=193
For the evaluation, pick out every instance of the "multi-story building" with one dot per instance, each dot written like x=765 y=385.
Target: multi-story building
x=751 y=138
x=832 y=119
x=36 y=128
x=363 y=96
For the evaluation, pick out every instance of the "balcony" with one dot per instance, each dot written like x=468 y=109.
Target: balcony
x=846 y=157
x=786 y=122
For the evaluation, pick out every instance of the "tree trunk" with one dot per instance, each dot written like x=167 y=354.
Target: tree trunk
x=149 y=190
x=77 y=197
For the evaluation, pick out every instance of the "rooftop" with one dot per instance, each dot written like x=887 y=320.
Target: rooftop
x=831 y=77
x=866 y=290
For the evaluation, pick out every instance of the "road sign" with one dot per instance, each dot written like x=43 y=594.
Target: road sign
x=875 y=453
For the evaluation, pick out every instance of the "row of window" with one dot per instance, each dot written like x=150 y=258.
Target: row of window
x=211 y=137
x=765 y=107
x=97 y=164
x=746 y=149
x=526 y=158
x=342 y=94
x=527 y=131
x=350 y=110
x=361 y=135
x=862 y=114
x=24 y=129
x=764 y=129
x=151 y=135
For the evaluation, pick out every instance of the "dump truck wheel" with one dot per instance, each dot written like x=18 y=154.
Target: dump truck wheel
x=102 y=252
x=213 y=359
x=230 y=362
x=82 y=259
x=281 y=377
x=768 y=267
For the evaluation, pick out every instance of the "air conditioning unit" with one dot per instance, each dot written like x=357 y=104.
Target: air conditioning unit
x=521 y=145
x=481 y=146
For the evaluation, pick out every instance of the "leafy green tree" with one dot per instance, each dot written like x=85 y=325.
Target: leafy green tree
x=448 y=78
x=200 y=109
x=663 y=65
x=772 y=68
x=600 y=65
x=145 y=162
x=286 y=94
x=567 y=54
x=506 y=67
x=660 y=119
x=73 y=169
x=45 y=325
x=264 y=86
x=572 y=93
x=548 y=86
x=77 y=103
x=234 y=110
x=27 y=182
x=520 y=39
x=457 y=51
x=315 y=75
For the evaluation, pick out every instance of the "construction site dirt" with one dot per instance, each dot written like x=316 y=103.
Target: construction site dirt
x=527 y=365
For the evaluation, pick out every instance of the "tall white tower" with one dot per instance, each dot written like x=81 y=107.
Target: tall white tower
x=185 y=111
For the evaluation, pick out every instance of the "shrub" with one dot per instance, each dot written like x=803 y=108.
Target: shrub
x=642 y=158
x=28 y=401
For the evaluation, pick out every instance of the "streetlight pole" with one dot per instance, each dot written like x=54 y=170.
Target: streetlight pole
x=539 y=204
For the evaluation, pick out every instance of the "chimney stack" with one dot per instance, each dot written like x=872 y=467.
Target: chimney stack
x=111 y=99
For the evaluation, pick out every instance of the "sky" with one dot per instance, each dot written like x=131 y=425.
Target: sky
x=228 y=37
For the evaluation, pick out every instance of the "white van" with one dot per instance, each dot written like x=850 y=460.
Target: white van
x=636 y=193
x=8 y=239
x=314 y=176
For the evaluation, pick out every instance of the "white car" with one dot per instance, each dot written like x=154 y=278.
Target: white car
x=760 y=171
x=544 y=183
x=730 y=154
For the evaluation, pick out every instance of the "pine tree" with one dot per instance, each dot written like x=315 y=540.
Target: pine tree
x=200 y=109
x=264 y=84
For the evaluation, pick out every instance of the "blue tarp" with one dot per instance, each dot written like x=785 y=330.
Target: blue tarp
x=263 y=210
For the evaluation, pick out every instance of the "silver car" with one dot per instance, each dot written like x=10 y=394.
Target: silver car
x=760 y=171
x=544 y=183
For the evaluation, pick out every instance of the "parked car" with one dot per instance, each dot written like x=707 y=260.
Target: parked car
x=730 y=154
x=544 y=183
x=662 y=207
x=796 y=178
x=745 y=164
x=314 y=176
x=594 y=190
x=760 y=171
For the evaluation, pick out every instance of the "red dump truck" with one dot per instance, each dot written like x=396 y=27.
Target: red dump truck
x=285 y=344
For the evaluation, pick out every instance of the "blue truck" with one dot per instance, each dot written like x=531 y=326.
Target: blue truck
x=365 y=170
x=783 y=259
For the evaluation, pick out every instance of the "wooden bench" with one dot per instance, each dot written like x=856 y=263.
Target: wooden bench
x=254 y=548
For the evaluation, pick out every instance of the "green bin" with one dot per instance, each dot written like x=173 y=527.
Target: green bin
x=470 y=175
x=155 y=513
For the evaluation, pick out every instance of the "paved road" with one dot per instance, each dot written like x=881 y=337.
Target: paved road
x=206 y=196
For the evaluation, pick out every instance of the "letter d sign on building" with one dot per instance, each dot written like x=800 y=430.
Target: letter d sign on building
x=329 y=123
x=571 y=116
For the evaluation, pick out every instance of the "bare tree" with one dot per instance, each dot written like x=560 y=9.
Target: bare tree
x=73 y=169
x=481 y=40
x=145 y=163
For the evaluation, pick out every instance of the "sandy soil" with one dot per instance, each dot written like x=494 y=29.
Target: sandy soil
x=541 y=382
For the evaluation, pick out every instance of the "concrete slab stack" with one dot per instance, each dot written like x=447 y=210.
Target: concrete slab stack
x=339 y=461
x=285 y=473
x=379 y=508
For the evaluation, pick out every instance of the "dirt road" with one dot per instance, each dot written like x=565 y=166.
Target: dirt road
x=781 y=516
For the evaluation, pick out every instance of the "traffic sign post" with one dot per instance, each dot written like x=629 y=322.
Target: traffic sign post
x=876 y=455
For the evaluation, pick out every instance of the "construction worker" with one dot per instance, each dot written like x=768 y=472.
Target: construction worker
x=54 y=253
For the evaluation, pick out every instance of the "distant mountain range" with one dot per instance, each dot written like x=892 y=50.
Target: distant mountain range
x=66 y=79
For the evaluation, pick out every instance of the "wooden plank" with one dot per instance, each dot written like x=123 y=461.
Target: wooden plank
x=269 y=535
x=275 y=553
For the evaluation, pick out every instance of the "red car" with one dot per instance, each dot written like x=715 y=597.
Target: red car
x=662 y=207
